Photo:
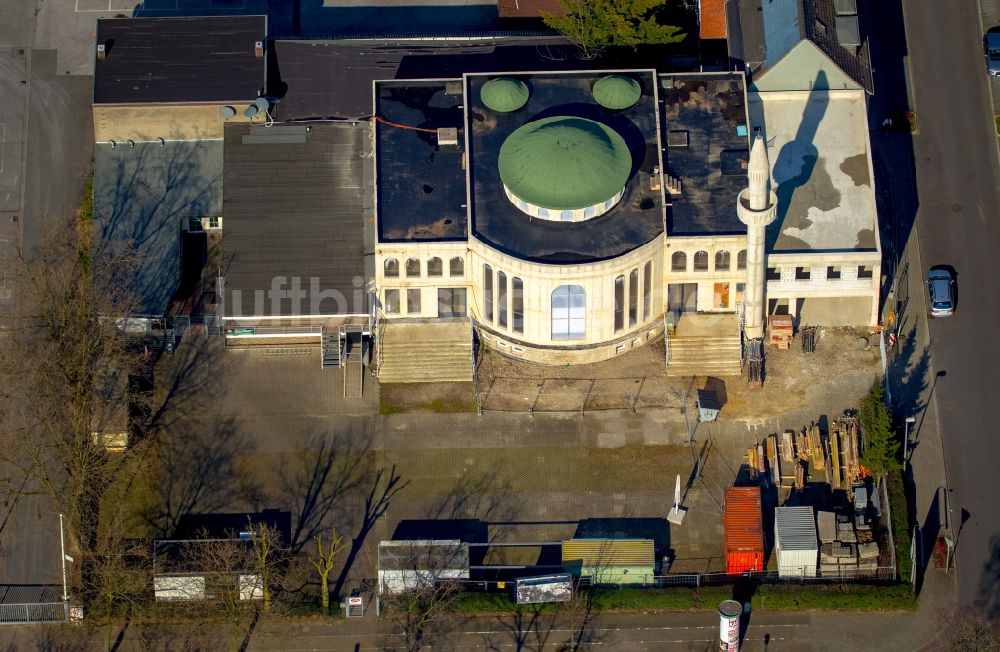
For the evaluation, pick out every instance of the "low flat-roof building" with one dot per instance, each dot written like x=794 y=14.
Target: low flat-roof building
x=144 y=200
x=176 y=78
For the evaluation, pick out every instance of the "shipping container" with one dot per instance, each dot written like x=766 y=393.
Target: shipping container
x=795 y=542
x=743 y=529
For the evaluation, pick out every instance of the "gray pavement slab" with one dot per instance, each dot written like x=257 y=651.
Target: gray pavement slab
x=60 y=144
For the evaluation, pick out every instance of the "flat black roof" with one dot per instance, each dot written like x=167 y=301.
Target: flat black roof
x=179 y=60
x=708 y=112
x=636 y=220
x=142 y=198
x=320 y=79
x=295 y=203
x=421 y=185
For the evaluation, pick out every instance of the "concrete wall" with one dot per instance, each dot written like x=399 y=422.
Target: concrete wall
x=167 y=121
x=850 y=300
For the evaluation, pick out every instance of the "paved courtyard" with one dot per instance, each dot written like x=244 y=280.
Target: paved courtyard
x=278 y=428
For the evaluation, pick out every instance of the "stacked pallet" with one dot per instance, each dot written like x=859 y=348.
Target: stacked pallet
x=781 y=330
x=844 y=549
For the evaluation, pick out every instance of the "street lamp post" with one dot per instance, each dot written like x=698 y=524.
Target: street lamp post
x=65 y=558
x=62 y=555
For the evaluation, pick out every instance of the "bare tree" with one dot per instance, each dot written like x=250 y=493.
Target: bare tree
x=323 y=561
x=418 y=588
x=227 y=565
x=65 y=369
x=969 y=630
x=268 y=559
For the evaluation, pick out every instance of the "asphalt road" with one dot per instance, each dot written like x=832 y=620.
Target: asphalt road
x=958 y=224
x=673 y=632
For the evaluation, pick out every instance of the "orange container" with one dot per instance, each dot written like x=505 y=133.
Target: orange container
x=742 y=529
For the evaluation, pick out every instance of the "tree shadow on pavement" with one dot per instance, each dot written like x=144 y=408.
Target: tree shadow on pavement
x=989 y=582
x=315 y=481
x=379 y=491
x=194 y=468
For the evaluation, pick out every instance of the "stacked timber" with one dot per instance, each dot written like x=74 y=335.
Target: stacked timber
x=845 y=455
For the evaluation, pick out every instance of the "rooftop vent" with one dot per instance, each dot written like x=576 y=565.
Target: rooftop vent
x=260 y=104
x=453 y=88
x=447 y=136
x=258 y=49
x=102 y=52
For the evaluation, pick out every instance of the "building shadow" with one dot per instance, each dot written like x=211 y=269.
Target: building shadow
x=794 y=165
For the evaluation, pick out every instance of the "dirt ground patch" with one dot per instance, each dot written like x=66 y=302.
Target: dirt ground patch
x=427 y=397
x=638 y=380
x=790 y=373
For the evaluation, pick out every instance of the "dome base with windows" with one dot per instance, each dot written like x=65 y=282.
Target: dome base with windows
x=564 y=215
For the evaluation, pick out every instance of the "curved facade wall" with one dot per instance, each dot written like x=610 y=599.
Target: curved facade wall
x=551 y=325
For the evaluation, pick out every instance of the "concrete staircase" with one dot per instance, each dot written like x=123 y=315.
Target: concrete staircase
x=425 y=352
x=704 y=355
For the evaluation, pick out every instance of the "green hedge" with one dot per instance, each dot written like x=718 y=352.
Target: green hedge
x=777 y=597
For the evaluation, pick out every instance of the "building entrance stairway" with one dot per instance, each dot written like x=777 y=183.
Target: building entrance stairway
x=704 y=345
x=425 y=351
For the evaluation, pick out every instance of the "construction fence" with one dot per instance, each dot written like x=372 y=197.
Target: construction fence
x=34 y=612
x=568 y=395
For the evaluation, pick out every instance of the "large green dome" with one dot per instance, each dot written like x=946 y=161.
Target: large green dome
x=504 y=94
x=565 y=163
x=617 y=92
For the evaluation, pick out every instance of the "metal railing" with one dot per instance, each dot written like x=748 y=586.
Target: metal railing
x=249 y=331
x=35 y=612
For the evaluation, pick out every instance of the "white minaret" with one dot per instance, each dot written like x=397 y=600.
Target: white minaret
x=756 y=208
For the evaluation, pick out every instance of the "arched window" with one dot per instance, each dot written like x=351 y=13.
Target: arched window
x=701 y=261
x=413 y=267
x=391 y=267
x=517 y=304
x=619 y=303
x=543 y=213
x=456 y=267
x=589 y=212
x=435 y=267
x=722 y=261
x=566 y=216
x=569 y=312
x=679 y=262
x=487 y=293
x=647 y=290
x=501 y=300
x=741 y=259
x=633 y=297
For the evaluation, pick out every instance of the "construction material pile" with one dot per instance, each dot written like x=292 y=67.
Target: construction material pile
x=793 y=458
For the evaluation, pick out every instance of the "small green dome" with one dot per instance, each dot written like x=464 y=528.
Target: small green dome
x=504 y=94
x=617 y=92
x=565 y=163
